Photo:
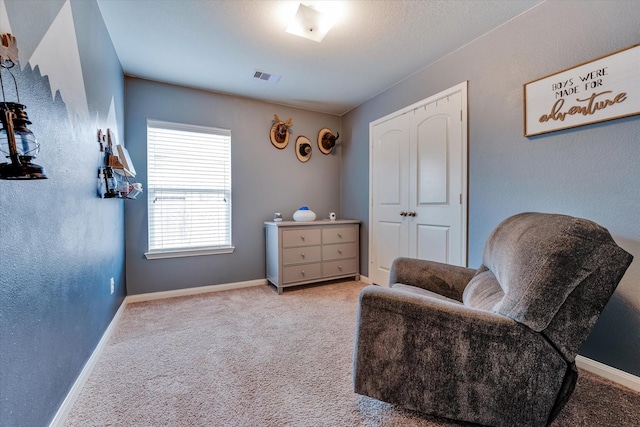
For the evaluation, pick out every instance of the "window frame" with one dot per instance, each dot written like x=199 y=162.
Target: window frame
x=193 y=251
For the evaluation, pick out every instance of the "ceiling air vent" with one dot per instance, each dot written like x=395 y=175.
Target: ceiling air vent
x=267 y=77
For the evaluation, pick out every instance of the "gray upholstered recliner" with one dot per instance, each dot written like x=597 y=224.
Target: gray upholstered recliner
x=497 y=345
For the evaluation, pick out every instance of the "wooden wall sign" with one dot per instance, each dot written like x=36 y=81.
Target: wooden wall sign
x=605 y=88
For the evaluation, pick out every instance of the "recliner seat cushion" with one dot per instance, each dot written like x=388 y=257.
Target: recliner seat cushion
x=538 y=263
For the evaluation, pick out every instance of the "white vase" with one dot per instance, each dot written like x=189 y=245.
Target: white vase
x=304 y=215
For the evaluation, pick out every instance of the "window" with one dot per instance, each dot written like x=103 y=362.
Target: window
x=189 y=190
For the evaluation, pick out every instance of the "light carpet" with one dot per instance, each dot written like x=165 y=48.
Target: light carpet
x=250 y=357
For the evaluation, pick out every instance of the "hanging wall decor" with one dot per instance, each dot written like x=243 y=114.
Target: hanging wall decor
x=279 y=133
x=303 y=149
x=17 y=142
x=327 y=140
x=605 y=88
x=116 y=175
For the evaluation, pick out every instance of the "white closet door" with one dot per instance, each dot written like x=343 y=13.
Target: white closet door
x=418 y=176
x=390 y=195
x=436 y=172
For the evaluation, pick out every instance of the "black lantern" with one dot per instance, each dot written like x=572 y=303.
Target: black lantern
x=18 y=143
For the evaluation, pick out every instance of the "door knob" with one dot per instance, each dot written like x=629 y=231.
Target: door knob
x=403 y=213
x=412 y=213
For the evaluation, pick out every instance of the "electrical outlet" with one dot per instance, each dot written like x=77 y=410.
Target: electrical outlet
x=113 y=285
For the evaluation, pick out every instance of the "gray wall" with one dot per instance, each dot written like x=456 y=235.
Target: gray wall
x=264 y=180
x=590 y=172
x=59 y=243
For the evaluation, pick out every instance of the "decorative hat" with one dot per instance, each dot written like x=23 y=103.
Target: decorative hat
x=326 y=140
x=303 y=149
x=279 y=133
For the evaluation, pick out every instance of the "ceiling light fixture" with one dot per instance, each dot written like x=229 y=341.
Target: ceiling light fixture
x=310 y=23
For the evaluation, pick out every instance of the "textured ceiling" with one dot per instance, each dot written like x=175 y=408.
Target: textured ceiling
x=216 y=45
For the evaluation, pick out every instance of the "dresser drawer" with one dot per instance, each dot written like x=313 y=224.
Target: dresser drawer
x=339 y=268
x=301 y=254
x=301 y=237
x=339 y=251
x=299 y=273
x=338 y=235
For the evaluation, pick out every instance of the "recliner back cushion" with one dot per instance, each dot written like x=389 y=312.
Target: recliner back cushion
x=538 y=259
x=573 y=322
x=483 y=291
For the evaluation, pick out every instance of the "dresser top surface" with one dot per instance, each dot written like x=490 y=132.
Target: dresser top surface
x=311 y=223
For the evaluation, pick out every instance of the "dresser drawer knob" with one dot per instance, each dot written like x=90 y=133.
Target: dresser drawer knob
x=340 y=267
x=340 y=251
x=340 y=235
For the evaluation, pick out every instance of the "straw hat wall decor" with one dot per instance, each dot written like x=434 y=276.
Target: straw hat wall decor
x=327 y=140
x=279 y=133
x=303 y=149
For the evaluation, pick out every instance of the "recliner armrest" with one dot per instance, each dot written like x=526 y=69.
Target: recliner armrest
x=444 y=279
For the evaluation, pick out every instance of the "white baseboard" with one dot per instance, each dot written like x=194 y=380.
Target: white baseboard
x=193 y=291
x=74 y=392
x=366 y=280
x=612 y=374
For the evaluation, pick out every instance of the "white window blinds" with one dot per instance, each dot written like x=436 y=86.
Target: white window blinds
x=189 y=189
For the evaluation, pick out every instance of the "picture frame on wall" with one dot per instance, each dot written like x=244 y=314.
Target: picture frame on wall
x=605 y=88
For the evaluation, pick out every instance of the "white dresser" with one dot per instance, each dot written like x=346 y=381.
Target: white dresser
x=308 y=252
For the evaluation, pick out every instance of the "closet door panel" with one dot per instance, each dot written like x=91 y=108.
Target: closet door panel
x=392 y=244
x=433 y=161
x=433 y=243
x=390 y=173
